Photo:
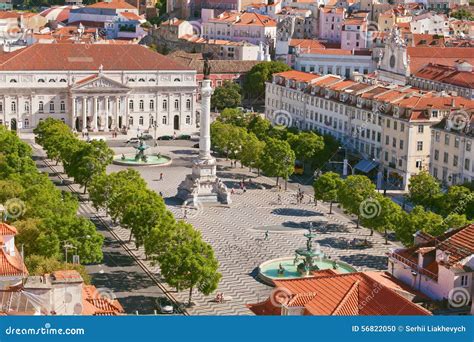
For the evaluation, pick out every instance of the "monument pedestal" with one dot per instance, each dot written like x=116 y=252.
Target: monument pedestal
x=203 y=185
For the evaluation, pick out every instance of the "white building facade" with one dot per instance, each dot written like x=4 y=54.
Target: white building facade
x=98 y=87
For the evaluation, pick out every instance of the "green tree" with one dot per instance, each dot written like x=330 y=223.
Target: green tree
x=252 y=152
x=307 y=145
x=326 y=188
x=144 y=210
x=37 y=239
x=259 y=126
x=278 y=160
x=424 y=190
x=88 y=161
x=457 y=200
x=419 y=220
x=55 y=137
x=462 y=14
x=39 y=265
x=10 y=189
x=226 y=96
x=384 y=216
x=190 y=262
x=234 y=116
x=353 y=192
x=254 y=85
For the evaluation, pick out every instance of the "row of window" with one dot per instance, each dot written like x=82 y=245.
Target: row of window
x=467 y=161
x=13 y=106
x=447 y=139
x=151 y=105
x=164 y=120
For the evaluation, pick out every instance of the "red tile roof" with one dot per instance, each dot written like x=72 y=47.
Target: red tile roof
x=94 y=304
x=6 y=229
x=422 y=55
x=131 y=16
x=341 y=294
x=458 y=243
x=298 y=76
x=11 y=265
x=86 y=57
x=114 y=4
x=446 y=74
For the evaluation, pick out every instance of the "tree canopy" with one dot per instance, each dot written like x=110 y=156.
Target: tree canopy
x=255 y=79
x=226 y=96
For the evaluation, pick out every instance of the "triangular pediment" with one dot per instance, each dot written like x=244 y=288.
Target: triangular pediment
x=98 y=82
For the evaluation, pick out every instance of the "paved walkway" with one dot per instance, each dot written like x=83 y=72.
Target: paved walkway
x=236 y=232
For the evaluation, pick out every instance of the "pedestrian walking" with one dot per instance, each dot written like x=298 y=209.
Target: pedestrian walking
x=161 y=176
x=279 y=199
x=185 y=216
x=266 y=235
x=161 y=194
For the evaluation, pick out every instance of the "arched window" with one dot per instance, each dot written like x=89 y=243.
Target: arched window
x=13 y=81
x=163 y=121
x=152 y=121
x=41 y=107
x=177 y=80
x=13 y=106
x=52 y=81
x=188 y=104
x=131 y=80
x=176 y=104
x=152 y=105
x=130 y=121
x=27 y=123
x=62 y=106
x=188 y=119
x=140 y=120
x=141 y=105
x=165 y=104
x=62 y=80
x=41 y=80
x=1 y=107
x=27 y=106
x=141 y=80
x=130 y=105
x=51 y=106
x=151 y=80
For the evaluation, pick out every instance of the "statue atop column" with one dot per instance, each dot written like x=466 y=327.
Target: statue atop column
x=207 y=67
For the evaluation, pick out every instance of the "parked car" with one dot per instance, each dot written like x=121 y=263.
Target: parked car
x=184 y=137
x=165 y=137
x=133 y=140
x=147 y=137
x=165 y=305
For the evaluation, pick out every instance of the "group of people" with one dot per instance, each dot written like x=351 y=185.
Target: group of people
x=219 y=297
x=299 y=196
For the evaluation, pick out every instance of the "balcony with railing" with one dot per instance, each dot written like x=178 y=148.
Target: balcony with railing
x=413 y=265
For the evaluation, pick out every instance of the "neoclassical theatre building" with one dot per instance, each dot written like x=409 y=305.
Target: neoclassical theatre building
x=97 y=87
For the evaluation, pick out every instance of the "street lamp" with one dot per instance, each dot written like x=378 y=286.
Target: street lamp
x=67 y=245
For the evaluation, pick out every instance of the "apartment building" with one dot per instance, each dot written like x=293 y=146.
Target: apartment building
x=387 y=124
x=452 y=152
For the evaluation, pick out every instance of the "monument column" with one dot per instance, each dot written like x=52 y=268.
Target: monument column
x=203 y=185
x=205 y=131
x=117 y=109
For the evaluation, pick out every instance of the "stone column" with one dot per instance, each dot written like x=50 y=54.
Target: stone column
x=94 y=116
x=205 y=137
x=127 y=112
x=73 y=109
x=84 y=113
x=117 y=110
x=106 y=121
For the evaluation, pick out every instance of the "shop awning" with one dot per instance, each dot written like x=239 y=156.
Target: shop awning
x=366 y=165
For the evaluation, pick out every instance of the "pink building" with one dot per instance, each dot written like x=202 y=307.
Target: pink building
x=354 y=33
x=330 y=24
